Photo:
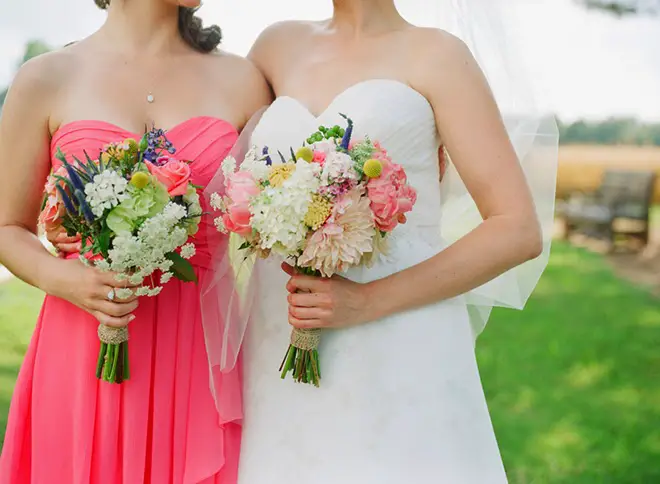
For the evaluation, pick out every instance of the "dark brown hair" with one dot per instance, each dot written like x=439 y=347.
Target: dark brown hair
x=202 y=39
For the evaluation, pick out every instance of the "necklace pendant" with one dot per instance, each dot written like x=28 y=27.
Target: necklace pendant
x=150 y=98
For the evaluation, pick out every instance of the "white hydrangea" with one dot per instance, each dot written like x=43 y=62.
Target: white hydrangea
x=279 y=213
x=255 y=163
x=105 y=191
x=326 y=146
x=173 y=213
x=188 y=251
x=337 y=165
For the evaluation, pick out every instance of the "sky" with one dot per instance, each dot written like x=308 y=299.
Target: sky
x=587 y=64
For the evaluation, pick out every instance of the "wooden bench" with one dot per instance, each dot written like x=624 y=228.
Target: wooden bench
x=623 y=196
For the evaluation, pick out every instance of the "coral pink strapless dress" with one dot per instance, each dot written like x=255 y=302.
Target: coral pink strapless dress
x=161 y=427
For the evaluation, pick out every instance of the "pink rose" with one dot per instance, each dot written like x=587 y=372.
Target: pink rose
x=52 y=213
x=237 y=219
x=319 y=157
x=174 y=175
x=390 y=196
x=241 y=187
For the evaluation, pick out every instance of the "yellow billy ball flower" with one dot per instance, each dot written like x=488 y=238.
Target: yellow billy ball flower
x=305 y=153
x=279 y=173
x=131 y=145
x=140 y=179
x=318 y=212
x=372 y=168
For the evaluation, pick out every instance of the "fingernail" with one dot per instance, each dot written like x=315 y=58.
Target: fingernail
x=131 y=318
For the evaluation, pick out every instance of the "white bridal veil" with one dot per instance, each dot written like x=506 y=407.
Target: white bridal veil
x=227 y=296
x=480 y=24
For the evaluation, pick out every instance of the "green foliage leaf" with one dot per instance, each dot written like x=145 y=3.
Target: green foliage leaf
x=181 y=268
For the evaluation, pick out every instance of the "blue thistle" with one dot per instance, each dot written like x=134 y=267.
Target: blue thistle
x=68 y=204
x=346 y=140
x=84 y=207
x=150 y=155
x=264 y=152
x=75 y=179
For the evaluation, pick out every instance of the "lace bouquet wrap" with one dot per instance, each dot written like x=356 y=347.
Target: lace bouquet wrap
x=325 y=206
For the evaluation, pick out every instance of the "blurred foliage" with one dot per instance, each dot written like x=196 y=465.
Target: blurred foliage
x=613 y=131
x=625 y=7
x=32 y=49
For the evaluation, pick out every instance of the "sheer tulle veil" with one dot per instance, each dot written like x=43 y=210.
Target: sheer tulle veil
x=533 y=132
x=228 y=297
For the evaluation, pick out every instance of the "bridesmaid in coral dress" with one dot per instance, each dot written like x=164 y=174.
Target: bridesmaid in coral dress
x=151 y=62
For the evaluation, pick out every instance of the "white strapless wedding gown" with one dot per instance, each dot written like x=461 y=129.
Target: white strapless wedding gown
x=400 y=399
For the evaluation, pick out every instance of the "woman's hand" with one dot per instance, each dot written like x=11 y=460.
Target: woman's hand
x=62 y=242
x=94 y=291
x=335 y=302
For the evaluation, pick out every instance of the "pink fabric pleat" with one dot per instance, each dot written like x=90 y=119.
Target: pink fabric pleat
x=161 y=426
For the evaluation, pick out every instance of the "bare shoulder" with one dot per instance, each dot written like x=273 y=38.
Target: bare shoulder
x=284 y=32
x=225 y=63
x=37 y=86
x=280 y=40
x=241 y=78
x=442 y=64
x=437 y=47
x=44 y=74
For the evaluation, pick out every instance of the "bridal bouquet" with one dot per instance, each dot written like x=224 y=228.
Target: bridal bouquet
x=326 y=207
x=134 y=208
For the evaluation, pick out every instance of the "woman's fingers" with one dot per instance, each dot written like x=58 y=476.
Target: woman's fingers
x=305 y=284
x=110 y=279
x=289 y=269
x=116 y=309
x=305 y=324
x=114 y=322
x=309 y=313
x=309 y=299
x=68 y=248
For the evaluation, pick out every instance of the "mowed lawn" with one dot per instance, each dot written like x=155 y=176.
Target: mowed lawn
x=573 y=382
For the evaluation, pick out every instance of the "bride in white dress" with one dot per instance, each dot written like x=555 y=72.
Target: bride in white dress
x=400 y=399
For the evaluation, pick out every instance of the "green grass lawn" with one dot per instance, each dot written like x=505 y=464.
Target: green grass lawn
x=19 y=308
x=572 y=382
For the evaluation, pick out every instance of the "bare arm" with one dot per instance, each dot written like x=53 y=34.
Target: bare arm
x=24 y=164
x=24 y=161
x=473 y=132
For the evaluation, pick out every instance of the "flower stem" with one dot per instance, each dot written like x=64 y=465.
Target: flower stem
x=101 y=360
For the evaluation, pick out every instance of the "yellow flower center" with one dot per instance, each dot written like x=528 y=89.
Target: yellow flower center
x=305 y=153
x=132 y=145
x=279 y=173
x=372 y=168
x=140 y=180
x=318 y=212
